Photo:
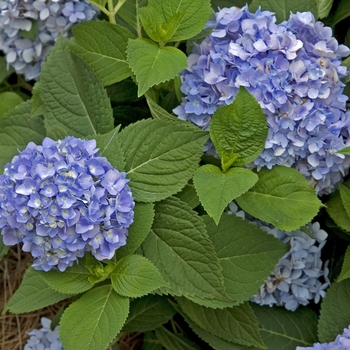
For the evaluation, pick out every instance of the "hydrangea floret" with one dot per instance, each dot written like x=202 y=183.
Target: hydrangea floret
x=342 y=342
x=300 y=275
x=52 y=18
x=44 y=338
x=294 y=71
x=62 y=199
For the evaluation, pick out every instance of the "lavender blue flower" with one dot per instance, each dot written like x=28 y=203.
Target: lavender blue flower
x=300 y=275
x=44 y=338
x=342 y=342
x=62 y=199
x=293 y=69
x=52 y=18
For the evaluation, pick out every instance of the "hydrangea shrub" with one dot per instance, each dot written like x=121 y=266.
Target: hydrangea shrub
x=126 y=217
x=294 y=71
x=62 y=199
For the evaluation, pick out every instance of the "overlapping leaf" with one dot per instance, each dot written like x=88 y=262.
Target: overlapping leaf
x=74 y=100
x=17 y=129
x=216 y=189
x=246 y=253
x=285 y=330
x=33 y=294
x=237 y=324
x=152 y=64
x=335 y=311
x=181 y=249
x=282 y=197
x=94 y=320
x=161 y=156
x=148 y=313
x=103 y=46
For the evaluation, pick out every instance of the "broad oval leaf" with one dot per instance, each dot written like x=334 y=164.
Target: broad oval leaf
x=342 y=12
x=17 y=129
x=345 y=271
x=335 y=311
x=181 y=249
x=239 y=130
x=174 y=341
x=237 y=324
x=284 y=330
x=148 y=313
x=324 y=7
x=282 y=197
x=152 y=64
x=102 y=45
x=73 y=280
x=74 y=100
x=246 y=253
x=217 y=189
x=135 y=276
x=336 y=210
x=161 y=156
x=94 y=320
x=195 y=15
x=8 y=100
x=33 y=294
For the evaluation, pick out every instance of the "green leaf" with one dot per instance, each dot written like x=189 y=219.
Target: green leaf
x=135 y=276
x=157 y=111
x=138 y=231
x=282 y=197
x=335 y=311
x=37 y=105
x=285 y=330
x=345 y=271
x=151 y=342
x=195 y=15
x=33 y=294
x=189 y=196
x=3 y=248
x=181 y=249
x=174 y=341
x=102 y=45
x=342 y=12
x=154 y=26
x=32 y=33
x=282 y=8
x=8 y=100
x=94 y=320
x=153 y=65
x=4 y=70
x=123 y=92
x=100 y=3
x=336 y=210
x=17 y=130
x=239 y=130
x=73 y=280
x=129 y=13
x=74 y=100
x=110 y=148
x=148 y=313
x=345 y=197
x=324 y=7
x=237 y=324
x=246 y=253
x=161 y=156
x=217 y=189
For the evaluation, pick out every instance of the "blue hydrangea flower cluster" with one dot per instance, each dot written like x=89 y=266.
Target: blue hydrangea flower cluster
x=62 y=199
x=49 y=18
x=342 y=342
x=296 y=279
x=293 y=69
x=44 y=338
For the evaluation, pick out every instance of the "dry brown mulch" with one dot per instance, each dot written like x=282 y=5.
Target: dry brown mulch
x=14 y=328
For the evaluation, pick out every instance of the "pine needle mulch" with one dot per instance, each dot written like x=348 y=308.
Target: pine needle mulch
x=14 y=328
